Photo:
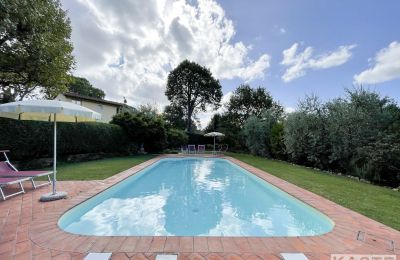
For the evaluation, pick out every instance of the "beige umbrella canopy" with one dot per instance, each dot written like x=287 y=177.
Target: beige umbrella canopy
x=52 y=111
x=214 y=134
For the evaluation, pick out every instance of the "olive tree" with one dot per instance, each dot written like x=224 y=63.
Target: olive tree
x=356 y=135
x=305 y=134
x=363 y=130
x=258 y=132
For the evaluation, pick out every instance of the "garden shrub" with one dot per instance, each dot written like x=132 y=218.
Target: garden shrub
x=176 y=138
x=277 y=141
x=147 y=129
x=257 y=133
x=34 y=139
x=358 y=135
x=305 y=134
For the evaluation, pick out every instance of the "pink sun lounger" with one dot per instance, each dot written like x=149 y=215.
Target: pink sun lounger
x=7 y=170
x=11 y=181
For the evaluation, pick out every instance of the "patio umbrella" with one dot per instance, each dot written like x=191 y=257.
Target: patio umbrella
x=214 y=134
x=52 y=111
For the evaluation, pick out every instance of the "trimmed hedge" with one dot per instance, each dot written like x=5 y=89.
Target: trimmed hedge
x=34 y=139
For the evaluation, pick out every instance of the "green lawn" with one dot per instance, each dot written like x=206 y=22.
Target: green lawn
x=381 y=204
x=98 y=169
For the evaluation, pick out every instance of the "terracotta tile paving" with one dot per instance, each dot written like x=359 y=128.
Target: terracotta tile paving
x=28 y=229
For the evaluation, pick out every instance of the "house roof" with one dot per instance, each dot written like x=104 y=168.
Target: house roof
x=97 y=100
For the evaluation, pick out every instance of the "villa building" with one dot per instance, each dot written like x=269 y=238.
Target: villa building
x=106 y=108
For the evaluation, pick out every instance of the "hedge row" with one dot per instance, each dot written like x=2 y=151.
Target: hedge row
x=34 y=139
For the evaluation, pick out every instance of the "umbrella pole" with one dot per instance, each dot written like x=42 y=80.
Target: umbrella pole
x=54 y=195
x=55 y=155
x=214 y=145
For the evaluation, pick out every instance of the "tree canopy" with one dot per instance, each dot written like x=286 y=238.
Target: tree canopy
x=174 y=116
x=35 y=48
x=246 y=102
x=82 y=86
x=192 y=87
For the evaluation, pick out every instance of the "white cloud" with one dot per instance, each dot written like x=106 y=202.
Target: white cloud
x=385 y=66
x=127 y=48
x=282 y=30
x=289 y=110
x=298 y=63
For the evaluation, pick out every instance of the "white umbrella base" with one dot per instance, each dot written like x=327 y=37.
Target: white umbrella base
x=50 y=196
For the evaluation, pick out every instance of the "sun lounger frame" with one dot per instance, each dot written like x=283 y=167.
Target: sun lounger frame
x=11 y=181
x=31 y=178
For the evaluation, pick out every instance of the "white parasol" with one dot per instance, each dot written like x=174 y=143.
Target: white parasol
x=214 y=134
x=52 y=111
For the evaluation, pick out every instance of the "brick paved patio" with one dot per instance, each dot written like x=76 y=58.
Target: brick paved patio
x=28 y=230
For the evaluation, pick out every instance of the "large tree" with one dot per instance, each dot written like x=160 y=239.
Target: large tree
x=82 y=86
x=35 y=48
x=193 y=87
x=246 y=102
x=174 y=117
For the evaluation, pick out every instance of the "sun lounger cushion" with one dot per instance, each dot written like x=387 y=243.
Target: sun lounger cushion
x=5 y=167
x=23 y=173
x=10 y=180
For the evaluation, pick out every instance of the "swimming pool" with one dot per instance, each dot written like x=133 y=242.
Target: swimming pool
x=194 y=197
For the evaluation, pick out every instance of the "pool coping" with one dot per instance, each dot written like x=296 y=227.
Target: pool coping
x=352 y=233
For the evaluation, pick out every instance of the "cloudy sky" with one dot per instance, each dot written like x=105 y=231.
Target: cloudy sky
x=291 y=48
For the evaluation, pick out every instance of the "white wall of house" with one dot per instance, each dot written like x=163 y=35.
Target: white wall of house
x=107 y=111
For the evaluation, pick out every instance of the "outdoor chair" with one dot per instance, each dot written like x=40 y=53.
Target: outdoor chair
x=184 y=149
x=201 y=148
x=191 y=148
x=10 y=181
x=223 y=148
x=7 y=170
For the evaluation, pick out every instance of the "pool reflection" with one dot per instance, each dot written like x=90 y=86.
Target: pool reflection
x=197 y=197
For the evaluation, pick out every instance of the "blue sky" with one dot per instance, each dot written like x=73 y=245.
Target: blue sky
x=324 y=25
x=292 y=48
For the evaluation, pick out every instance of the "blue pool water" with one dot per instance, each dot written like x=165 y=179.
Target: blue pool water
x=194 y=197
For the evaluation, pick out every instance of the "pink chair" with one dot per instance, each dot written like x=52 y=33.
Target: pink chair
x=201 y=148
x=191 y=148
x=184 y=149
x=11 y=181
x=223 y=148
x=7 y=170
